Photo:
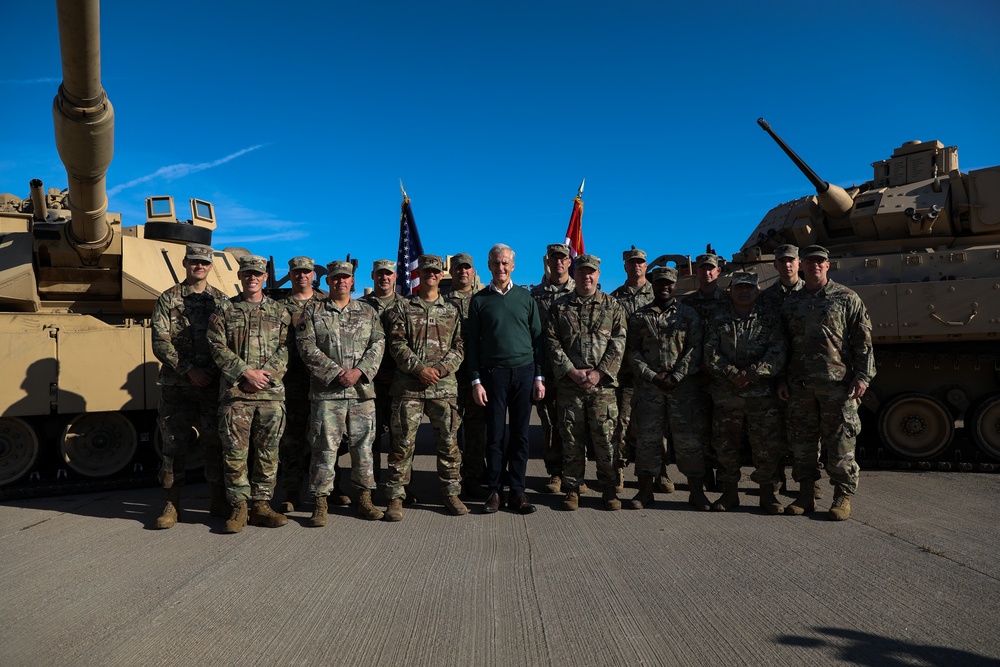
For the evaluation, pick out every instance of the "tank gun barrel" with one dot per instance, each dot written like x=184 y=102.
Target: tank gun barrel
x=84 y=126
x=832 y=198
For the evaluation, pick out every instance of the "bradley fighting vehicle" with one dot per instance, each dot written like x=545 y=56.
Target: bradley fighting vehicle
x=920 y=243
x=79 y=395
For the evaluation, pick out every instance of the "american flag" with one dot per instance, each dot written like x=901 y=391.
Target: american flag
x=410 y=249
x=574 y=232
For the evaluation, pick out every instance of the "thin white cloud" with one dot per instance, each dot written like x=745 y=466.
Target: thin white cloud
x=174 y=171
x=238 y=240
x=28 y=82
x=239 y=225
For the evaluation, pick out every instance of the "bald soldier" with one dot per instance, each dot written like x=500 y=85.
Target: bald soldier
x=553 y=286
x=294 y=450
x=472 y=434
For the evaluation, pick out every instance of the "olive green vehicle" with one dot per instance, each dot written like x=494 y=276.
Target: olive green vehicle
x=920 y=243
x=79 y=396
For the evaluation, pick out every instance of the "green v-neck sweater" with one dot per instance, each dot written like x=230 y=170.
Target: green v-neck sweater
x=503 y=331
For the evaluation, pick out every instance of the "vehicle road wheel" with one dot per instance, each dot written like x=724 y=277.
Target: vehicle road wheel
x=916 y=426
x=18 y=449
x=98 y=444
x=985 y=426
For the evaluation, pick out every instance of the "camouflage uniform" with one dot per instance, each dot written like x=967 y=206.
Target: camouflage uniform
x=244 y=335
x=472 y=435
x=754 y=343
x=774 y=296
x=383 y=380
x=180 y=323
x=666 y=340
x=425 y=334
x=830 y=347
x=631 y=299
x=545 y=295
x=331 y=339
x=586 y=332
x=294 y=450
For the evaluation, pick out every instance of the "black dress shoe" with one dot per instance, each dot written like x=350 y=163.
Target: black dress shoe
x=492 y=503
x=519 y=503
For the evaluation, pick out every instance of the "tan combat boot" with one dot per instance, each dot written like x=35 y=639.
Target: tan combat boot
x=841 y=508
x=645 y=497
x=769 y=500
x=571 y=502
x=394 y=512
x=620 y=483
x=697 y=498
x=169 y=516
x=368 y=511
x=292 y=500
x=237 y=518
x=455 y=506
x=806 y=500
x=218 y=506
x=318 y=518
x=663 y=484
x=729 y=499
x=261 y=514
x=611 y=502
x=554 y=485
x=583 y=488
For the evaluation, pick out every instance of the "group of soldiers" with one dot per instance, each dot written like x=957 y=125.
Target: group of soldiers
x=629 y=376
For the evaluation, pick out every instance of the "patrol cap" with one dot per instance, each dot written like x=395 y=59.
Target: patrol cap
x=254 y=263
x=301 y=262
x=786 y=251
x=634 y=253
x=430 y=262
x=743 y=278
x=587 y=261
x=339 y=267
x=557 y=248
x=663 y=273
x=199 y=252
x=706 y=259
x=383 y=265
x=461 y=258
x=815 y=251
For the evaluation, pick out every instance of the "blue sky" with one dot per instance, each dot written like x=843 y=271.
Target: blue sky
x=298 y=120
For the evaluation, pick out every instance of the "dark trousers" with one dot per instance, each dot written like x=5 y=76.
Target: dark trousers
x=507 y=390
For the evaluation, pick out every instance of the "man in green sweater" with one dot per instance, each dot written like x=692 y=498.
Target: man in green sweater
x=504 y=350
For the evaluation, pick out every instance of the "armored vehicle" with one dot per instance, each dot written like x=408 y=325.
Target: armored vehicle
x=920 y=243
x=77 y=289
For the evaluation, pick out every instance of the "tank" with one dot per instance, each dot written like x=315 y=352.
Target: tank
x=77 y=289
x=920 y=243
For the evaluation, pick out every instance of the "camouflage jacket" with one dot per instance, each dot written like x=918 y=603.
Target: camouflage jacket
x=331 y=339
x=382 y=307
x=245 y=335
x=774 y=296
x=545 y=294
x=462 y=300
x=754 y=343
x=665 y=340
x=586 y=332
x=631 y=299
x=708 y=305
x=634 y=298
x=421 y=334
x=829 y=334
x=297 y=376
x=180 y=324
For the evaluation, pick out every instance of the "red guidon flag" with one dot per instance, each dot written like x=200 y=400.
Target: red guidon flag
x=574 y=232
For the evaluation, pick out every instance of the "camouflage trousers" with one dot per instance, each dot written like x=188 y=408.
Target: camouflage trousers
x=705 y=410
x=246 y=426
x=331 y=420
x=584 y=419
x=760 y=418
x=295 y=450
x=824 y=409
x=472 y=434
x=445 y=420
x=624 y=437
x=552 y=446
x=183 y=409
x=677 y=415
x=383 y=423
